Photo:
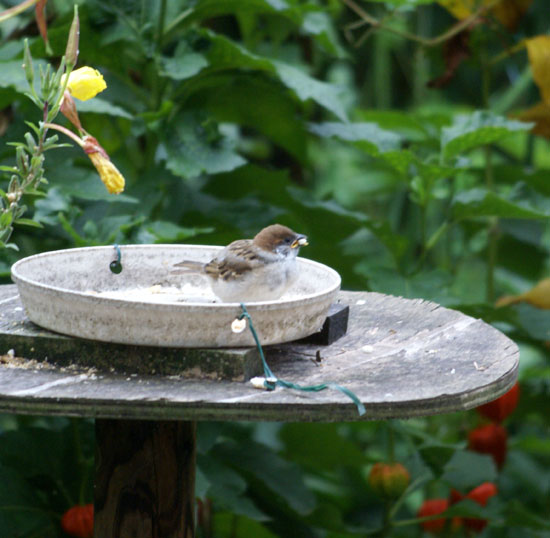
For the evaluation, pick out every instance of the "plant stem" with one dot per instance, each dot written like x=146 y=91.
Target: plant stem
x=386 y=530
x=420 y=73
x=382 y=84
x=492 y=246
x=430 y=41
x=504 y=55
x=15 y=10
x=159 y=38
x=65 y=131
x=399 y=502
x=181 y=17
x=160 y=26
x=391 y=441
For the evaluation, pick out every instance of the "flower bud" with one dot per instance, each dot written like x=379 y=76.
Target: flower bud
x=71 y=52
x=433 y=507
x=78 y=521
x=389 y=480
x=489 y=439
x=68 y=109
x=91 y=145
x=480 y=495
x=42 y=24
x=29 y=69
x=108 y=172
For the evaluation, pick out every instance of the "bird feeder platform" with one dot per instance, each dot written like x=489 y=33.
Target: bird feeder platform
x=402 y=358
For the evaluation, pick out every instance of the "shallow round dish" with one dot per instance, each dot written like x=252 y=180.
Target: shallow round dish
x=74 y=292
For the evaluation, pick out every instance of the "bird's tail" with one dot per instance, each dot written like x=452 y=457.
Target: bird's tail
x=188 y=266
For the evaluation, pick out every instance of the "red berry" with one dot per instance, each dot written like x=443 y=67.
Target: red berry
x=389 y=480
x=480 y=495
x=78 y=521
x=433 y=507
x=489 y=439
x=499 y=409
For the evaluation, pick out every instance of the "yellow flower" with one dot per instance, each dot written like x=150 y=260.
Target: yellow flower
x=85 y=83
x=108 y=172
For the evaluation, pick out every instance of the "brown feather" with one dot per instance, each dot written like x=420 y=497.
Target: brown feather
x=272 y=235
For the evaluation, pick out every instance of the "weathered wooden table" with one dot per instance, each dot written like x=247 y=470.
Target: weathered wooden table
x=402 y=358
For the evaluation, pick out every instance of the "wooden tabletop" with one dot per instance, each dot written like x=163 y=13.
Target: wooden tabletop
x=401 y=357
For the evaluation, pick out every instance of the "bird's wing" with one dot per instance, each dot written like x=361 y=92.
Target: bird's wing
x=234 y=261
x=188 y=266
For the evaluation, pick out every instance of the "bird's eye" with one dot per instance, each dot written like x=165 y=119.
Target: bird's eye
x=287 y=240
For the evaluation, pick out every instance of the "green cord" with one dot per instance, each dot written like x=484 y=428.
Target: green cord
x=272 y=380
x=116 y=266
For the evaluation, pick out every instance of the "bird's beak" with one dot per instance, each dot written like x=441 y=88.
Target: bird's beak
x=300 y=241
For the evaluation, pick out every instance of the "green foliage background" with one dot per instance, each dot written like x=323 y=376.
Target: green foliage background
x=227 y=115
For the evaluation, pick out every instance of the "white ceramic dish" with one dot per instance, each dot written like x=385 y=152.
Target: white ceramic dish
x=74 y=292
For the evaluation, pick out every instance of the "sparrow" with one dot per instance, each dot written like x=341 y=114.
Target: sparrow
x=259 y=269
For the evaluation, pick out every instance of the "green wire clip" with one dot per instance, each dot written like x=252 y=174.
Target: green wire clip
x=272 y=381
x=116 y=266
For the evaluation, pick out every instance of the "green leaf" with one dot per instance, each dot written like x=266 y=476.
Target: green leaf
x=337 y=450
x=253 y=101
x=280 y=476
x=400 y=160
x=483 y=203
x=206 y=9
x=368 y=136
x=97 y=105
x=227 y=488
x=6 y=218
x=466 y=470
x=29 y=222
x=21 y=511
x=537 y=179
x=320 y=25
x=167 y=232
x=83 y=183
x=477 y=129
x=197 y=146
x=201 y=483
x=184 y=66
x=432 y=172
x=408 y=3
x=431 y=284
x=305 y=87
x=34 y=451
x=152 y=117
x=223 y=53
x=470 y=509
x=11 y=49
x=518 y=515
x=47 y=208
x=534 y=321
x=8 y=169
x=224 y=525
x=406 y=124
x=13 y=75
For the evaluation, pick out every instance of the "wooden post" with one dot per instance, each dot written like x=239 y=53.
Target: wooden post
x=144 y=479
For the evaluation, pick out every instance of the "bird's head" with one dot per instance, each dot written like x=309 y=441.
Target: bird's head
x=280 y=240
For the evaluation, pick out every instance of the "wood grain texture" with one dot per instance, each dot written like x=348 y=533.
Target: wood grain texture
x=401 y=357
x=144 y=480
